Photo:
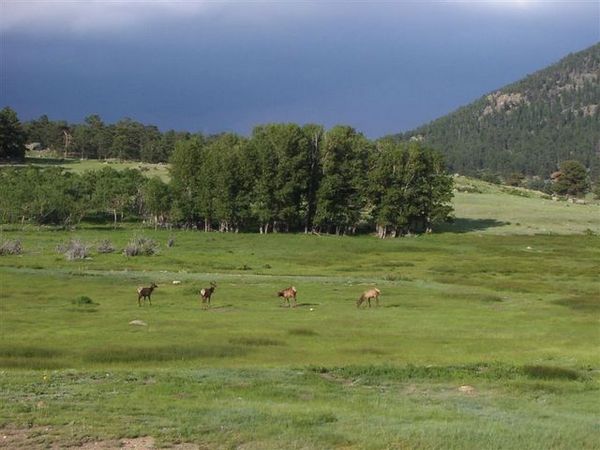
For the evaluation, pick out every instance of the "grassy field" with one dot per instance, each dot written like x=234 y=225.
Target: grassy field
x=81 y=165
x=486 y=337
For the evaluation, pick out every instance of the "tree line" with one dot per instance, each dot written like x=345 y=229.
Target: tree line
x=126 y=139
x=284 y=177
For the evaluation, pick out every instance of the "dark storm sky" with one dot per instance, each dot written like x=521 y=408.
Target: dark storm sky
x=382 y=67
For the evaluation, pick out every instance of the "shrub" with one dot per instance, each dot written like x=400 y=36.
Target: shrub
x=105 y=246
x=11 y=248
x=490 y=177
x=596 y=190
x=74 y=249
x=255 y=341
x=537 y=184
x=83 y=300
x=141 y=245
x=469 y=189
x=302 y=332
x=517 y=192
x=551 y=372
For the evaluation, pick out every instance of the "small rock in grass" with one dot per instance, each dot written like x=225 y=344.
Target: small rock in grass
x=140 y=323
x=466 y=389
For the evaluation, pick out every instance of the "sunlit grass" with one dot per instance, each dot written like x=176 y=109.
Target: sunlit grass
x=484 y=339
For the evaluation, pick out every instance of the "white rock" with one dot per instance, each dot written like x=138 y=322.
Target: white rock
x=466 y=389
x=140 y=323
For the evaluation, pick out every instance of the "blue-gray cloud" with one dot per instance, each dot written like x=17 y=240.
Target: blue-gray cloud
x=214 y=66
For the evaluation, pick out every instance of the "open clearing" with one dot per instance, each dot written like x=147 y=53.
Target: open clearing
x=487 y=337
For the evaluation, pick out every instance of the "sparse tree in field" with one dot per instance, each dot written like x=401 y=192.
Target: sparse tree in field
x=281 y=152
x=12 y=136
x=343 y=159
x=596 y=190
x=409 y=189
x=231 y=181
x=116 y=192
x=43 y=196
x=573 y=179
x=48 y=133
x=93 y=139
x=315 y=135
x=186 y=165
x=515 y=179
x=156 y=200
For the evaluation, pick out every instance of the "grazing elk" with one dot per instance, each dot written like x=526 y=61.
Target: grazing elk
x=206 y=293
x=367 y=296
x=287 y=294
x=145 y=293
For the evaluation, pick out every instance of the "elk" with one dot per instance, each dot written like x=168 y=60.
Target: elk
x=145 y=293
x=206 y=293
x=287 y=294
x=367 y=296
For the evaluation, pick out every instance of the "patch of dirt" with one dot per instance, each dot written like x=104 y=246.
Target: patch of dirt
x=221 y=308
x=334 y=378
x=468 y=390
x=25 y=438
x=45 y=437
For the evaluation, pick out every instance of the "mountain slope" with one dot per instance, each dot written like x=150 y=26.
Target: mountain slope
x=529 y=126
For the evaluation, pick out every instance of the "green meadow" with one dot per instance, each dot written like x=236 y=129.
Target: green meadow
x=486 y=336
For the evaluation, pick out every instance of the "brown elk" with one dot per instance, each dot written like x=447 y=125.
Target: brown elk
x=206 y=293
x=287 y=294
x=145 y=293
x=367 y=296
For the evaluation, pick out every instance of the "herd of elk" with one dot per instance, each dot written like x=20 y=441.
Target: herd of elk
x=288 y=293
x=367 y=296
x=206 y=293
x=145 y=293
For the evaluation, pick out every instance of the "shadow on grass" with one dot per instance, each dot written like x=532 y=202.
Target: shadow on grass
x=49 y=161
x=463 y=225
x=161 y=353
x=257 y=341
x=588 y=303
x=221 y=308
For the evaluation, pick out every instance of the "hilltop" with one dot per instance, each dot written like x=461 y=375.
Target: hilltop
x=529 y=126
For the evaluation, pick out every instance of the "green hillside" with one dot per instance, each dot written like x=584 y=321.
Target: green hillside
x=529 y=126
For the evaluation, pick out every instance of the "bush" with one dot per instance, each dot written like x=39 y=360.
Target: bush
x=11 y=248
x=74 y=249
x=514 y=179
x=105 y=246
x=469 y=189
x=490 y=177
x=83 y=300
x=517 y=192
x=141 y=245
x=537 y=184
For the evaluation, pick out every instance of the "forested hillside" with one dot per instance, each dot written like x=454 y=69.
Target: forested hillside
x=529 y=126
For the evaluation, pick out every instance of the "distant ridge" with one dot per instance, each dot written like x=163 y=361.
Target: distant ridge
x=529 y=126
